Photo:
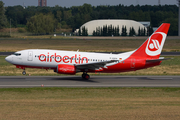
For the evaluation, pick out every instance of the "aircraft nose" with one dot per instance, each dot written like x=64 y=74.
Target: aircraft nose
x=8 y=59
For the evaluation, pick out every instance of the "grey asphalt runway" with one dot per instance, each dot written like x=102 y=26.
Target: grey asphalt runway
x=95 y=81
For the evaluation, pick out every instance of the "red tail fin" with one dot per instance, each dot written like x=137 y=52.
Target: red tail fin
x=152 y=47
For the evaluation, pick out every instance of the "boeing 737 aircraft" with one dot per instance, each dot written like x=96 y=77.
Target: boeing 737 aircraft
x=72 y=62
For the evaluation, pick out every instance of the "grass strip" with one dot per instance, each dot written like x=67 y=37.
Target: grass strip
x=89 y=103
x=89 y=45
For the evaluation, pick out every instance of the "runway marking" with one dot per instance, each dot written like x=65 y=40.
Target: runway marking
x=159 y=78
x=90 y=85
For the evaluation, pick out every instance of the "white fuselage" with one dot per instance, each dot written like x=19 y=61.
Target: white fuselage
x=51 y=58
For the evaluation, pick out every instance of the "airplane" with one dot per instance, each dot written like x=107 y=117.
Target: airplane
x=72 y=62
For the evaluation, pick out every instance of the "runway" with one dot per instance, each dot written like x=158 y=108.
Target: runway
x=95 y=81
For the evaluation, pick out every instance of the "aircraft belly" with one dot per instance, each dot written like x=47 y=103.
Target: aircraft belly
x=36 y=64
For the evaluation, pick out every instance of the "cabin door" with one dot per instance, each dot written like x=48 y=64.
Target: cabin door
x=30 y=55
x=133 y=63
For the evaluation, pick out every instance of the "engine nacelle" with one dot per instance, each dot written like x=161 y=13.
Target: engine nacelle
x=66 y=69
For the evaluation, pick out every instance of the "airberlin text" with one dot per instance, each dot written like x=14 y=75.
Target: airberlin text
x=77 y=59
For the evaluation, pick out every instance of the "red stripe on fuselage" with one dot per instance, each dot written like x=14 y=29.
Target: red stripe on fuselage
x=124 y=66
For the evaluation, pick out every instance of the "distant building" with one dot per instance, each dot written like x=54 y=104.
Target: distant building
x=42 y=3
x=92 y=25
x=145 y=23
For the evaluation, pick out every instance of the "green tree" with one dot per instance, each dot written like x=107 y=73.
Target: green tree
x=67 y=15
x=124 y=31
x=139 y=31
x=41 y=24
x=76 y=16
x=173 y=30
x=144 y=34
x=130 y=32
x=94 y=33
x=150 y=30
x=110 y=30
x=84 y=31
x=118 y=30
x=133 y=31
x=101 y=31
x=115 y=31
x=105 y=30
x=3 y=20
x=79 y=32
x=17 y=15
x=98 y=31
x=59 y=16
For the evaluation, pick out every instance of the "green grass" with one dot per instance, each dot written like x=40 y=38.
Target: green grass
x=89 y=103
x=65 y=43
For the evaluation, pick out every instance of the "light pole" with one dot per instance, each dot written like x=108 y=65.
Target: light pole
x=179 y=18
x=10 y=27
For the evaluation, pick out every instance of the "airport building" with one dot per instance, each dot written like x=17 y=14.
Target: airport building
x=94 y=24
x=42 y=3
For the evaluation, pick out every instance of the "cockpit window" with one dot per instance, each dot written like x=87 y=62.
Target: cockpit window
x=17 y=54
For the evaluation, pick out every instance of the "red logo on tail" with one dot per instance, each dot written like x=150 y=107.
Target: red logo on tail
x=155 y=44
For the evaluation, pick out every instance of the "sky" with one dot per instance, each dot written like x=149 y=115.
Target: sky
x=69 y=3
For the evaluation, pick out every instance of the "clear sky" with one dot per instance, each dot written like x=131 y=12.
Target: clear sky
x=69 y=3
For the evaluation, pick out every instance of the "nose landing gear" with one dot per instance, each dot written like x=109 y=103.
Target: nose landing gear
x=24 y=72
x=85 y=76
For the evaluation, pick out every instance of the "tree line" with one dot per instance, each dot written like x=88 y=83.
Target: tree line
x=114 y=31
x=75 y=16
x=3 y=20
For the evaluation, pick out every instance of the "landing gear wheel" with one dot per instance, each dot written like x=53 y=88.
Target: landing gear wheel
x=24 y=72
x=85 y=76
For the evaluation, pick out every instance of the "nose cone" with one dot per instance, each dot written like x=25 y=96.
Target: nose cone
x=9 y=59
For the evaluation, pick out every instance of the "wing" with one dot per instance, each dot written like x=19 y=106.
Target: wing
x=94 y=66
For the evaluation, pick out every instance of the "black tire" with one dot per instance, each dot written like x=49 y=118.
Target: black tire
x=24 y=72
x=87 y=77
x=83 y=76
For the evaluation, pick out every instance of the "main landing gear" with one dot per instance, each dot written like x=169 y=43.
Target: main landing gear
x=85 y=76
x=24 y=72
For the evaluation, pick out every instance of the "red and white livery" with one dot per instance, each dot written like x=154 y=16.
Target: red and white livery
x=71 y=62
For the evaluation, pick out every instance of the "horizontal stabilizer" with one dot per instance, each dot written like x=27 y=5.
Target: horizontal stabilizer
x=157 y=60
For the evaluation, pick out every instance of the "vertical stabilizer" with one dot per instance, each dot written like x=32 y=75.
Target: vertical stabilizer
x=152 y=47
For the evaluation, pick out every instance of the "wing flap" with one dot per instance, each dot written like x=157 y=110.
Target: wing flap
x=93 y=66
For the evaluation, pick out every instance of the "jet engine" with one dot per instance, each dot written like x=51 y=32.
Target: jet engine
x=66 y=69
